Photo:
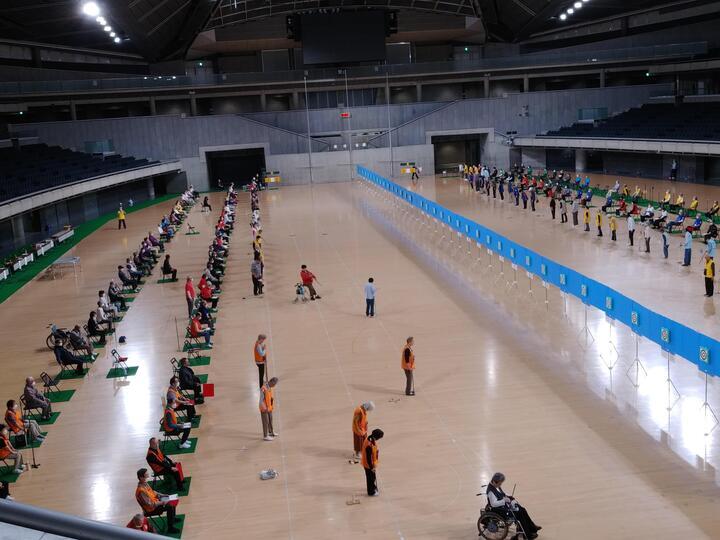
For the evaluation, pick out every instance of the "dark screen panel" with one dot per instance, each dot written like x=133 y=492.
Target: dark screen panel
x=343 y=38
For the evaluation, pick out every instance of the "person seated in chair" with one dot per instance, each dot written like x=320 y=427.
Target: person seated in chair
x=213 y=277
x=712 y=232
x=162 y=464
x=172 y=426
x=661 y=219
x=115 y=295
x=141 y=523
x=137 y=266
x=621 y=209
x=34 y=399
x=507 y=507
x=103 y=318
x=204 y=313
x=181 y=402
x=206 y=293
x=18 y=426
x=168 y=270
x=8 y=451
x=111 y=310
x=66 y=358
x=648 y=213
x=155 y=241
x=190 y=381
x=126 y=278
x=94 y=329
x=79 y=342
x=197 y=330
x=152 y=502
x=678 y=221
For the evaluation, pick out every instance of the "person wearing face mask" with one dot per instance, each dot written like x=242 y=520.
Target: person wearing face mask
x=181 y=402
x=507 y=507
x=35 y=399
x=18 y=426
x=152 y=502
x=8 y=451
x=172 y=426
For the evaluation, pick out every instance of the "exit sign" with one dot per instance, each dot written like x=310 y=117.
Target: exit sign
x=344 y=115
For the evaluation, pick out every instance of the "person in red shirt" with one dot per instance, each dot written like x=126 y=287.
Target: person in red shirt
x=190 y=295
x=206 y=293
x=197 y=330
x=141 y=523
x=308 y=278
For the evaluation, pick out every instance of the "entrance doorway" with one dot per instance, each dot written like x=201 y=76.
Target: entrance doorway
x=452 y=150
x=238 y=166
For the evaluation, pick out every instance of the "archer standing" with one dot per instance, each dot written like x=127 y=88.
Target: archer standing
x=407 y=363
x=121 y=218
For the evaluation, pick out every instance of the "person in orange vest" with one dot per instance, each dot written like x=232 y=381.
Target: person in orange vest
x=407 y=362
x=163 y=465
x=141 y=523
x=359 y=427
x=152 y=502
x=260 y=353
x=172 y=426
x=267 y=404
x=370 y=460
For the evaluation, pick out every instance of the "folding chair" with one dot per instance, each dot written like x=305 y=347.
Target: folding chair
x=191 y=349
x=119 y=362
x=27 y=408
x=169 y=436
x=95 y=338
x=175 y=365
x=63 y=367
x=49 y=384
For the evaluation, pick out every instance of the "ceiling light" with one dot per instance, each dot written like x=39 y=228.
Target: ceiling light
x=91 y=9
x=109 y=28
x=116 y=40
x=101 y=20
x=577 y=5
x=570 y=11
x=563 y=16
x=585 y=1
x=112 y=34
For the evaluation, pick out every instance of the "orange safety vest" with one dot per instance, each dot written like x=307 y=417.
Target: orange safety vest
x=374 y=451
x=359 y=422
x=173 y=415
x=14 y=421
x=259 y=358
x=160 y=457
x=144 y=489
x=176 y=392
x=411 y=361
x=267 y=399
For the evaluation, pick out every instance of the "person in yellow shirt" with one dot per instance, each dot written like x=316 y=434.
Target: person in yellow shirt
x=613 y=228
x=679 y=202
x=709 y=274
x=694 y=204
x=598 y=222
x=665 y=200
x=586 y=219
x=121 y=218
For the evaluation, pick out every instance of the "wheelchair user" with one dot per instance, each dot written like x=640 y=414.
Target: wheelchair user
x=507 y=507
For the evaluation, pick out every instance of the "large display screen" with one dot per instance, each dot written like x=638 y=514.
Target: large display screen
x=343 y=38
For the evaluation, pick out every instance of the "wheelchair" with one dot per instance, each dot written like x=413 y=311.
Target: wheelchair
x=492 y=525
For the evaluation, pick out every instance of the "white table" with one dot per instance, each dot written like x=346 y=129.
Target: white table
x=63 y=235
x=4 y=274
x=63 y=262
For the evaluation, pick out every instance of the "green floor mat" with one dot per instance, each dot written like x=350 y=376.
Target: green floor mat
x=130 y=298
x=192 y=233
x=116 y=373
x=199 y=361
x=203 y=377
x=88 y=357
x=202 y=347
x=53 y=418
x=8 y=475
x=170 y=448
x=69 y=374
x=167 y=280
x=61 y=396
x=167 y=485
x=161 y=523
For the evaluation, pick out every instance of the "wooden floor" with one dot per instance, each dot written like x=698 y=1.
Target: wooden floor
x=503 y=383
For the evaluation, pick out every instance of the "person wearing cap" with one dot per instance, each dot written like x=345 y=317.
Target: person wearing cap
x=370 y=460
x=359 y=427
x=267 y=404
x=507 y=507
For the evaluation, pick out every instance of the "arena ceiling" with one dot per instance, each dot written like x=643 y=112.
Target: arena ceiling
x=165 y=29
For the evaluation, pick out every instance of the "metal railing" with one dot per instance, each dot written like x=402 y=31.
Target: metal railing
x=535 y=60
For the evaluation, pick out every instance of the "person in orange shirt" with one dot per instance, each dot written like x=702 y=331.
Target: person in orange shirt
x=267 y=404
x=359 y=427
x=17 y=424
x=407 y=362
x=370 y=460
x=8 y=451
x=162 y=464
x=152 y=502
x=141 y=523
x=260 y=353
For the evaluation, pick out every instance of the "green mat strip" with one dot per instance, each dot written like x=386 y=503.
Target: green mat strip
x=61 y=396
x=69 y=374
x=203 y=377
x=168 y=486
x=167 y=280
x=53 y=418
x=199 y=361
x=116 y=373
x=170 y=448
x=17 y=280
x=161 y=522
x=202 y=347
x=8 y=476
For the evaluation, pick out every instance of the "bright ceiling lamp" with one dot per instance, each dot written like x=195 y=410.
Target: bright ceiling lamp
x=570 y=11
x=577 y=5
x=101 y=21
x=563 y=16
x=108 y=28
x=116 y=40
x=91 y=9
x=112 y=34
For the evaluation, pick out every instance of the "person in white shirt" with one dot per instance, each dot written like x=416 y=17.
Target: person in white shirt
x=631 y=230
x=370 y=298
x=101 y=317
x=507 y=507
x=107 y=306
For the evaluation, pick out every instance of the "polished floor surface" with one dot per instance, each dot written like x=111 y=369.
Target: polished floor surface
x=504 y=382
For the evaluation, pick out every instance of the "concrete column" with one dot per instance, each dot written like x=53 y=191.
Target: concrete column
x=263 y=102
x=36 y=58
x=486 y=87
x=418 y=91
x=602 y=78
x=90 y=206
x=193 y=105
x=151 y=188
x=295 y=103
x=580 y=160
x=153 y=106
x=73 y=111
x=18 y=229
x=526 y=84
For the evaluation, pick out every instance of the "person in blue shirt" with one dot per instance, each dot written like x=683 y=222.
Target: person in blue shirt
x=370 y=291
